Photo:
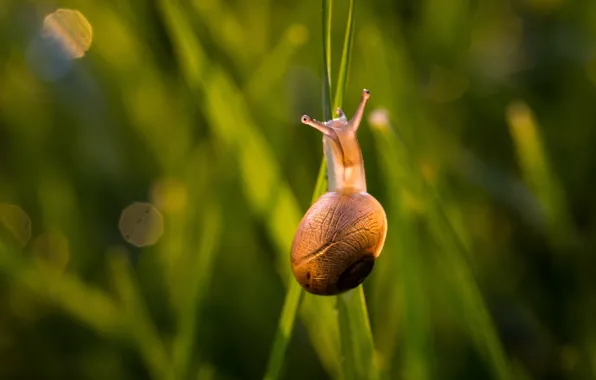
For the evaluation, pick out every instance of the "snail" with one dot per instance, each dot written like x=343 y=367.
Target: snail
x=343 y=232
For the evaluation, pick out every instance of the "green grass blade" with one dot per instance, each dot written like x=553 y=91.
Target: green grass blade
x=327 y=7
x=87 y=304
x=327 y=19
x=200 y=269
x=356 y=336
x=284 y=331
x=538 y=174
x=266 y=75
x=140 y=327
x=344 y=67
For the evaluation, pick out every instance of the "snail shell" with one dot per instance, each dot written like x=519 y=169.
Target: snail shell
x=337 y=242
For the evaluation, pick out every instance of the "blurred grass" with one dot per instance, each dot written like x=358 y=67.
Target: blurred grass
x=537 y=172
x=487 y=268
x=269 y=198
x=295 y=292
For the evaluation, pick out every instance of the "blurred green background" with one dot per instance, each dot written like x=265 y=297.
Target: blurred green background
x=480 y=149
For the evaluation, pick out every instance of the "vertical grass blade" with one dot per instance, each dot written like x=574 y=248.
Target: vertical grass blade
x=195 y=289
x=537 y=172
x=140 y=327
x=356 y=336
x=284 y=331
x=327 y=7
x=344 y=66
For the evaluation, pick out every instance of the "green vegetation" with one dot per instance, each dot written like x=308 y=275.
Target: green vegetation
x=477 y=141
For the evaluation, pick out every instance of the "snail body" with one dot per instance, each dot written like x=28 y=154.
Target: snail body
x=343 y=232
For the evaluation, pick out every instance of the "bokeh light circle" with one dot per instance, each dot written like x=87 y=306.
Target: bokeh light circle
x=70 y=29
x=141 y=224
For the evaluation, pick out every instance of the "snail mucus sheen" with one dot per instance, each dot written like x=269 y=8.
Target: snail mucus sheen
x=343 y=232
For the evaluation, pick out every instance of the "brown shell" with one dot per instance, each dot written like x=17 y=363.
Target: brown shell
x=337 y=242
